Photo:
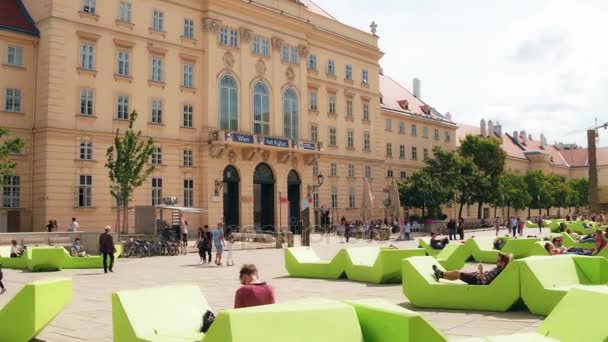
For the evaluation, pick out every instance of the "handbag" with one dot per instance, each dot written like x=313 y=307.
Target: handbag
x=208 y=319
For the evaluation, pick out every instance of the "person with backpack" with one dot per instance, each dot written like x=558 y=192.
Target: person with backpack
x=204 y=245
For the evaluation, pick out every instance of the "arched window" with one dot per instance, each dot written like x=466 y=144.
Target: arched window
x=290 y=114
x=229 y=114
x=261 y=109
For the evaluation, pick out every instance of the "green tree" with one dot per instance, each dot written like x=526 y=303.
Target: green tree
x=8 y=147
x=512 y=192
x=489 y=158
x=423 y=191
x=560 y=192
x=128 y=169
x=579 y=193
x=539 y=190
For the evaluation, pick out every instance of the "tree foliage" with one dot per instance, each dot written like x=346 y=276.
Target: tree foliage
x=579 y=192
x=422 y=191
x=8 y=147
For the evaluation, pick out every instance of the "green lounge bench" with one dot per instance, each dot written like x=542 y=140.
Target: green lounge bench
x=377 y=265
x=33 y=308
x=303 y=262
x=426 y=245
x=482 y=249
x=579 y=227
x=568 y=241
x=454 y=256
x=168 y=314
x=45 y=259
x=520 y=247
x=7 y=262
x=87 y=262
x=424 y=291
x=546 y=280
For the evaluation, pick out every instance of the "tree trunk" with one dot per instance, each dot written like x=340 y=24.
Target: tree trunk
x=529 y=212
x=460 y=210
x=509 y=210
x=495 y=208
x=479 y=209
x=125 y=217
x=117 y=224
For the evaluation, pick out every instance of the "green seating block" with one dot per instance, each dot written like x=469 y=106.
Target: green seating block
x=303 y=262
x=88 y=262
x=377 y=265
x=33 y=308
x=546 y=280
x=45 y=259
x=424 y=291
x=520 y=248
x=426 y=245
x=530 y=224
x=383 y=321
x=454 y=256
x=168 y=314
x=318 y=320
x=579 y=227
x=7 y=262
x=526 y=337
x=568 y=241
x=482 y=249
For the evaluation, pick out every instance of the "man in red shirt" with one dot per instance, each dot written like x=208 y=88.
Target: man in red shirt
x=254 y=292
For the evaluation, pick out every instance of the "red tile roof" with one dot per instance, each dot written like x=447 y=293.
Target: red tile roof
x=14 y=17
x=512 y=149
x=580 y=158
x=535 y=146
x=314 y=8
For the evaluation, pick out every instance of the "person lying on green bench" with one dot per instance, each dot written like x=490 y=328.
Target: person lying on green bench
x=16 y=250
x=552 y=249
x=77 y=249
x=437 y=243
x=499 y=243
x=480 y=277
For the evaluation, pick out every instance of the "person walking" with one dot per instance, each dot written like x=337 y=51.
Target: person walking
x=452 y=229
x=183 y=226
x=539 y=220
x=407 y=230
x=219 y=243
x=49 y=226
x=74 y=226
x=107 y=249
x=2 y=288
x=497 y=224
x=55 y=226
x=460 y=229
x=229 y=237
x=204 y=245
x=515 y=226
x=520 y=227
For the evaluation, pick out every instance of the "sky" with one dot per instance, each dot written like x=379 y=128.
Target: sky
x=534 y=65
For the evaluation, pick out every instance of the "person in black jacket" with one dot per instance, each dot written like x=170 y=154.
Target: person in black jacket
x=107 y=248
x=452 y=229
x=204 y=245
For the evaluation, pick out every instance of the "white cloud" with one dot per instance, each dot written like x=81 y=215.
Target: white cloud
x=536 y=65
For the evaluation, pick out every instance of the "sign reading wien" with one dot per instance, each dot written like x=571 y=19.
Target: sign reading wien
x=242 y=138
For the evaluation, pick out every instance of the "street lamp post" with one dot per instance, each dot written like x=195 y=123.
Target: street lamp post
x=312 y=189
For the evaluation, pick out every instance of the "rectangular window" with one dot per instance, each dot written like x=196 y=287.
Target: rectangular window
x=157 y=69
x=234 y=38
x=368 y=171
x=157 y=191
x=365 y=111
x=187 y=116
x=86 y=102
x=122 y=108
x=333 y=169
x=425 y=132
x=189 y=28
x=436 y=134
x=334 y=196
x=12 y=100
x=350 y=143
x=388 y=125
x=312 y=101
x=414 y=130
x=158 y=20
x=187 y=158
x=15 y=56
x=224 y=33
x=312 y=62
x=315 y=168
x=86 y=150
x=425 y=153
x=229 y=37
x=414 y=153
x=11 y=191
x=389 y=173
x=403 y=175
x=188 y=193
x=364 y=77
x=332 y=104
x=125 y=12
x=314 y=133
x=188 y=79
x=294 y=54
x=349 y=108
x=157 y=155
x=85 y=191
x=401 y=127
x=366 y=144
x=87 y=56
x=290 y=54
x=124 y=63
x=331 y=68
x=389 y=150
x=401 y=151
x=349 y=72
x=332 y=136
x=157 y=112
x=351 y=198
x=89 y=6
x=447 y=136
x=315 y=199
x=351 y=170
x=260 y=46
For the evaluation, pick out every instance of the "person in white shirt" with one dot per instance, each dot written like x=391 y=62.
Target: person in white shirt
x=407 y=229
x=74 y=226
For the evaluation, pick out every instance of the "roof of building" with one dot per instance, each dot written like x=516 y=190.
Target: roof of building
x=580 y=157
x=535 y=145
x=314 y=8
x=14 y=17
x=396 y=98
x=512 y=149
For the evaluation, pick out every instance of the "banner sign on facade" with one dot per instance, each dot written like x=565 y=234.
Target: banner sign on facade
x=276 y=142
x=309 y=146
x=242 y=138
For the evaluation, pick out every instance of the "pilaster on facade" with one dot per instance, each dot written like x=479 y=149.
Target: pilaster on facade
x=211 y=25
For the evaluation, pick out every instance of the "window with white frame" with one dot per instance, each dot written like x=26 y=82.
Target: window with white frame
x=365 y=111
x=332 y=136
x=189 y=28
x=351 y=170
x=188 y=193
x=86 y=101
x=349 y=72
x=331 y=67
x=315 y=168
x=364 y=77
x=157 y=155
x=401 y=151
x=229 y=37
x=334 y=196
x=291 y=126
x=228 y=108
x=157 y=69
x=414 y=153
x=158 y=20
x=366 y=142
x=124 y=63
x=261 y=109
x=86 y=150
x=14 y=56
x=333 y=169
x=312 y=62
x=89 y=6
x=157 y=112
x=351 y=198
x=260 y=46
x=188 y=77
x=124 y=13
x=425 y=132
x=436 y=134
x=122 y=107
x=350 y=138
x=157 y=191
x=349 y=107
x=315 y=199
x=314 y=133
x=312 y=100
x=188 y=158
x=187 y=114
x=389 y=149
x=401 y=127
x=11 y=191
x=290 y=54
x=388 y=125
x=447 y=136
x=285 y=54
x=389 y=173
x=234 y=38
x=85 y=191
x=414 y=130
x=87 y=56
x=332 y=104
x=425 y=153
x=12 y=100
x=368 y=171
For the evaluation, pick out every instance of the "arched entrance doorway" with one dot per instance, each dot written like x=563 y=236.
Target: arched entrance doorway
x=231 y=198
x=263 y=197
x=293 y=196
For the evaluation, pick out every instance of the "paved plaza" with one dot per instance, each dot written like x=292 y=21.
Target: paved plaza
x=89 y=317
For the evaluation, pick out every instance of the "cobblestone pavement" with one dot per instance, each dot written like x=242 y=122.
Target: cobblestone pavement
x=89 y=317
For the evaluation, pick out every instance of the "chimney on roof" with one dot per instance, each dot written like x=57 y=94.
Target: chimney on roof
x=515 y=135
x=498 y=129
x=381 y=71
x=482 y=126
x=417 y=87
x=543 y=140
x=530 y=137
x=522 y=136
x=490 y=128
x=448 y=116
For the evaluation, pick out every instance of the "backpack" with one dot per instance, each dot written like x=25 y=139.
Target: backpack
x=208 y=319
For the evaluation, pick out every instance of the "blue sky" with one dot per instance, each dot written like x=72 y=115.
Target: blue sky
x=534 y=65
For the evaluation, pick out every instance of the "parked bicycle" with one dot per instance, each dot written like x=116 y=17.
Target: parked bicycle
x=140 y=248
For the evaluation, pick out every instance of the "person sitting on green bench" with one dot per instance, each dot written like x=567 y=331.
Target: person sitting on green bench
x=254 y=291
x=77 y=250
x=476 y=278
x=16 y=250
x=499 y=243
x=600 y=242
x=438 y=244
